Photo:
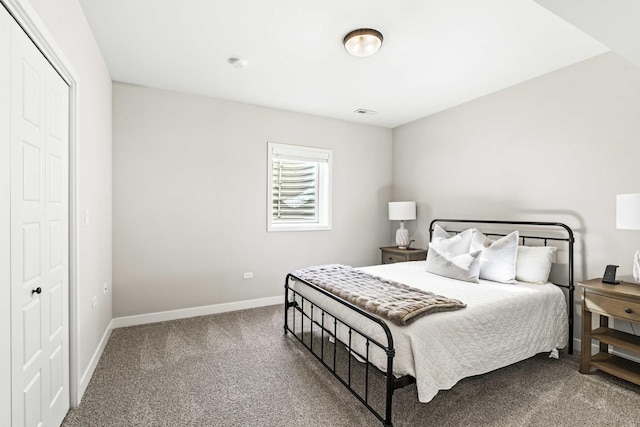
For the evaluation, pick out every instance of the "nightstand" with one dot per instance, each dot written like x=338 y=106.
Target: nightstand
x=391 y=254
x=622 y=302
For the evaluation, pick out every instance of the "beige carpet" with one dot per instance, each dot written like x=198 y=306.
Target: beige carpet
x=238 y=369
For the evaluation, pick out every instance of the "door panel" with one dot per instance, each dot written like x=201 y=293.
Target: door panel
x=31 y=250
x=55 y=244
x=57 y=370
x=39 y=237
x=32 y=338
x=27 y=236
x=57 y=238
x=31 y=94
x=56 y=178
x=32 y=176
x=57 y=307
x=33 y=403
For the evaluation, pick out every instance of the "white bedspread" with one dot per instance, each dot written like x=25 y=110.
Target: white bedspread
x=501 y=325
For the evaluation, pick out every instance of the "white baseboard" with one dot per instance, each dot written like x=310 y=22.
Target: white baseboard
x=162 y=316
x=88 y=373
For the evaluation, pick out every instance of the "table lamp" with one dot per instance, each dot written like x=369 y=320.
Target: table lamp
x=402 y=211
x=628 y=218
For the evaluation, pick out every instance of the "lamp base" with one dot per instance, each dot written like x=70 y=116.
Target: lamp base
x=636 y=267
x=402 y=238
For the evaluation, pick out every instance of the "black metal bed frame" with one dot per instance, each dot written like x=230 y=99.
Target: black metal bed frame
x=295 y=302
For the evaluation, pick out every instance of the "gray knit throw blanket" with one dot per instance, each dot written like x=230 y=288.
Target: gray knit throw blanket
x=396 y=302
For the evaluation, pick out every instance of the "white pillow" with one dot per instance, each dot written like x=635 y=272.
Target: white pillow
x=498 y=258
x=461 y=267
x=533 y=263
x=456 y=244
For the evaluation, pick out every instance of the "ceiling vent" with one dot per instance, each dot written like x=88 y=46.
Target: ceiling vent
x=365 y=111
x=238 y=62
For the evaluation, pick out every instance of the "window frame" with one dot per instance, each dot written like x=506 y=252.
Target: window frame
x=323 y=158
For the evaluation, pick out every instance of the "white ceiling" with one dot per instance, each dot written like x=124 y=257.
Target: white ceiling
x=614 y=23
x=436 y=53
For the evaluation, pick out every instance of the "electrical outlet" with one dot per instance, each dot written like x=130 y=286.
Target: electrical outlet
x=94 y=302
x=247 y=275
x=105 y=288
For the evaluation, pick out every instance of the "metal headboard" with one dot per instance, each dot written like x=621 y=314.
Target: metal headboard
x=546 y=226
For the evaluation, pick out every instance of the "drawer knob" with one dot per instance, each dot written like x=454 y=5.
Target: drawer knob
x=628 y=310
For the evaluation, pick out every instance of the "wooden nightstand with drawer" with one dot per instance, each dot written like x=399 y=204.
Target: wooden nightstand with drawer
x=622 y=302
x=391 y=254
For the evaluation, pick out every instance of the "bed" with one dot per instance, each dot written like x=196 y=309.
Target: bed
x=502 y=323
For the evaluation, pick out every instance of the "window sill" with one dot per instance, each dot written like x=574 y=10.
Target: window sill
x=298 y=227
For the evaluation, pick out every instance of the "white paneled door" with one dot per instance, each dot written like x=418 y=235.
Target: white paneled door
x=39 y=129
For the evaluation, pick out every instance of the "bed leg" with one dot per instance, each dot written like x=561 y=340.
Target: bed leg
x=572 y=288
x=286 y=317
x=390 y=388
x=286 y=304
x=571 y=315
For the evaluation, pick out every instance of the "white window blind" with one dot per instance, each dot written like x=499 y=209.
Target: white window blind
x=295 y=190
x=299 y=188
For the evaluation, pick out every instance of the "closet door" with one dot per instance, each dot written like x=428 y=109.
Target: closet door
x=39 y=237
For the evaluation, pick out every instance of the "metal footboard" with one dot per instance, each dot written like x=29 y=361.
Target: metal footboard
x=303 y=317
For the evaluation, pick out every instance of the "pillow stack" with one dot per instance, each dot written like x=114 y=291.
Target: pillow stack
x=450 y=256
x=471 y=255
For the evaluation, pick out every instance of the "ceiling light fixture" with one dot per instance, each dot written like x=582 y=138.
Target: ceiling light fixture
x=363 y=42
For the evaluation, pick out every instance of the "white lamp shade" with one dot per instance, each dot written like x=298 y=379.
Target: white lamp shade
x=402 y=211
x=628 y=211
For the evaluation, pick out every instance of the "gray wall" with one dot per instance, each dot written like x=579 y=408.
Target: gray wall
x=559 y=147
x=190 y=180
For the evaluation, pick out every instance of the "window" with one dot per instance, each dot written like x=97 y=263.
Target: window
x=299 y=194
